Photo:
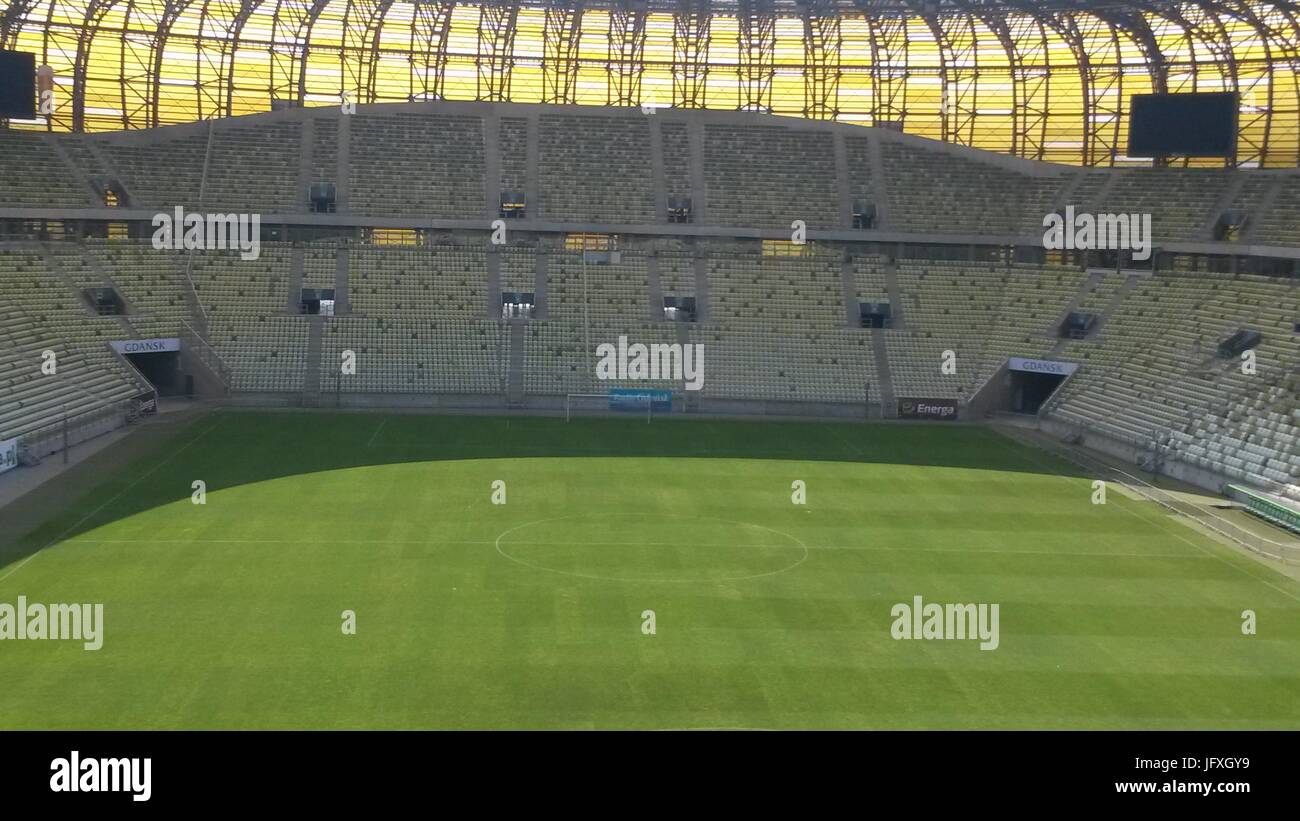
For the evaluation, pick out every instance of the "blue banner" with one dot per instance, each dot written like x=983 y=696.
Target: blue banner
x=633 y=399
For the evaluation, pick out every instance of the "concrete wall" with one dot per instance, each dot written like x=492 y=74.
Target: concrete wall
x=555 y=404
x=1130 y=453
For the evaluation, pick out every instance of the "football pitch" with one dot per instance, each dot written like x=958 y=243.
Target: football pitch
x=355 y=570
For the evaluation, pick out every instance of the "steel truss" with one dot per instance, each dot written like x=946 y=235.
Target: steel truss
x=358 y=59
x=756 y=55
x=889 y=64
x=822 y=40
x=997 y=63
x=1024 y=41
x=495 y=57
x=625 y=62
x=214 y=59
x=290 y=40
x=427 y=53
x=691 y=23
x=561 y=35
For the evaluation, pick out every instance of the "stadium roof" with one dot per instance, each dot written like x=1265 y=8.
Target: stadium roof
x=1046 y=79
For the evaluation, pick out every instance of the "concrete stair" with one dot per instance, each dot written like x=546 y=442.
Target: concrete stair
x=655 y=285
x=311 y=395
x=1229 y=195
x=1089 y=284
x=898 y=311
x=884 y=378
x=515 y=379
x=1116 y=300
x=849 y=293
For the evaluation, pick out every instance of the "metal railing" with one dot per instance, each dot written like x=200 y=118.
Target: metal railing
x=67 y=431
x=192 y=291
x=1284 y=551
x=141 y=382
x=198 y=347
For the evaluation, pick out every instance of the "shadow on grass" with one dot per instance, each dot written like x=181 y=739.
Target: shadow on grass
x=228 y=448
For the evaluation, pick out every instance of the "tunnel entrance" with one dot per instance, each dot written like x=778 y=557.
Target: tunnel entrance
x=1033 y=381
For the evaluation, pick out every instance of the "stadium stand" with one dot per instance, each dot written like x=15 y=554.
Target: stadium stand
x=599 y=167
x=677 y=273
x=1281 y=222
x=777 y=331
x=948 y=306
x=947 y=193
x=512 y=146
x=858 y=155
x=319 y=265
x=1030 y=300
x=1155 y=368
x=418 y=326
x=588 y=305
x=776 y=328
x=245 y=304
x=1179 y=199
x=254 y=169
x=416 y=164
x=166 y=170
x=324 y=150
x=32 y=175
x=150 y=283
x=596 y=169
x=677 y=158
x=43 y=312
x=766 y=176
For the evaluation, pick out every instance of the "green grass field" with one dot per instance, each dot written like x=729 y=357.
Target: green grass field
x=529 y=614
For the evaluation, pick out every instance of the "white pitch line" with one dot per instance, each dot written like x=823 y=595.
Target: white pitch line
x=867 y=548
x=1180 y=537
x=844 y=439
x=1159 y=523
x=114 y=498
x=375 y=435
x=715 y=729
x=795 y=539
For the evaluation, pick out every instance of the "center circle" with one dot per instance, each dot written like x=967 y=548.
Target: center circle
x=651 y=547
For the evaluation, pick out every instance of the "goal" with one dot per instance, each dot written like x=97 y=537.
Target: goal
x=649 y=403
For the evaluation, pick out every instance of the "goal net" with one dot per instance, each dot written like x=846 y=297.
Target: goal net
x=648 y=403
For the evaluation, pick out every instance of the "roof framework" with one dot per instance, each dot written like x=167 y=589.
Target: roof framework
x=1043 y=79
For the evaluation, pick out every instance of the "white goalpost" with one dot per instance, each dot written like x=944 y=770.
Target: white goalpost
x=576 y=401
x=579 y=399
